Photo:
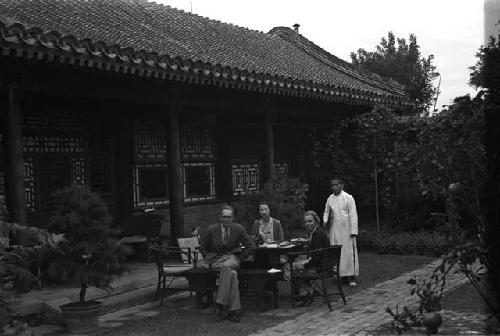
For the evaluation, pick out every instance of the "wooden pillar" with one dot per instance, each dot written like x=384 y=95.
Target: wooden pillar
x=16 y=199
x=269 y=164
x=123 y=149
x=175 y=188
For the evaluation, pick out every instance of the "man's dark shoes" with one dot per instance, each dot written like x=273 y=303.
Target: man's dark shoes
x=234 y=316
x=220 y=315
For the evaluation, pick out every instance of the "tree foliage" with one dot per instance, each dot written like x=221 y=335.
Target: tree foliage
x=486 y=72
x=89 y=254
x=286 y=198
x=402 y=61
x=415 y=160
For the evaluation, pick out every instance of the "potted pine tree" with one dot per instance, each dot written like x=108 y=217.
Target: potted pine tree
x=88 y=256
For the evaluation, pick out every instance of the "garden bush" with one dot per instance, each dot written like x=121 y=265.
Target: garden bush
x=420 y=243
x=286 y=199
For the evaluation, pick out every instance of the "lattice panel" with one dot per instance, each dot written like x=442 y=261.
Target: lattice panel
x=51 y=144
x=197 y=142
x=53 y=172
x=139 y=200
x=245 y=178
x=29 y=184
x=78 y=170
x=281 y=171
x=150 y=143
x=2 y=182
x=210 y=194
x=50 y=121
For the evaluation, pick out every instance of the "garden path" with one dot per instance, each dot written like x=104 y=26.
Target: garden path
x=365 y=310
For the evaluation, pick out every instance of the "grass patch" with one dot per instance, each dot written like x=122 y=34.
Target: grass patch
x=464 y=299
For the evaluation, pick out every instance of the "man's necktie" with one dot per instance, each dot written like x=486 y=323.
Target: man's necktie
x=225 y=235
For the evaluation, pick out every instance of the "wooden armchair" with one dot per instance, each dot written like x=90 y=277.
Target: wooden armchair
x=170 y=268
x=328 y=270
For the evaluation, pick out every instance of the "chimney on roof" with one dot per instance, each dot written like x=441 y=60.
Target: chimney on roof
x=296 y=27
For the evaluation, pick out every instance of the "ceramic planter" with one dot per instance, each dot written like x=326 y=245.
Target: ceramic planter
x=431 y=321
x=80 y=318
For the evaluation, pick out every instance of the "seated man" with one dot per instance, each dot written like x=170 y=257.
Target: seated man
x=220 y=247
x=317 y=240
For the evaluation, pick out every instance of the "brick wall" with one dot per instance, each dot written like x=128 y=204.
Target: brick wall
x=201 y=215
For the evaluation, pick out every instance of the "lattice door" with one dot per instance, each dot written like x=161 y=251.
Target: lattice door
x=53 y=172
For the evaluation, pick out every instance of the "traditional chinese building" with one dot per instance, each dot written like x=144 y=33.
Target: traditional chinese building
x=151 y=106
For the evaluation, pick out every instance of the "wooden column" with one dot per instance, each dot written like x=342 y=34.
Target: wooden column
x=269 y=165
x=175 y=188
x=16 y=200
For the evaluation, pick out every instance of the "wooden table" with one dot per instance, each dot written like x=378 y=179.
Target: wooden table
x=260 y=282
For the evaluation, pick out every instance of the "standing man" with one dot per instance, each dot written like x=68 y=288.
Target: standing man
x=220 y=247
x=341 y=221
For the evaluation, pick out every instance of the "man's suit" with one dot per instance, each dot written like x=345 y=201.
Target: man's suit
x=220 y=253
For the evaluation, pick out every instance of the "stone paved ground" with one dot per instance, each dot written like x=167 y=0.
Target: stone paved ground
x=365 y=311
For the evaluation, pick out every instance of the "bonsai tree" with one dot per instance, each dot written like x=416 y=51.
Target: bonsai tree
x=89 y=254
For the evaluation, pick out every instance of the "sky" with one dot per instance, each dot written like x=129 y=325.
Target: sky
x=451 y=30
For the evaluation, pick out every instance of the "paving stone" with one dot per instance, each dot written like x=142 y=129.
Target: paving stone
x=366 y=309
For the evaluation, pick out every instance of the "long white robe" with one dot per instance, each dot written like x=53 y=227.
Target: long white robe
x=341 y=218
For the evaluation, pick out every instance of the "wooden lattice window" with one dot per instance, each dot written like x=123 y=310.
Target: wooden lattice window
x=197 y=142
x=245 y=178
x=150 y=143
x=150 y=185
x=199 y=181
x=281 y=171
x=29 y=184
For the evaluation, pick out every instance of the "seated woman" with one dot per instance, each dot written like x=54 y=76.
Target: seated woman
x=317 y=240
x=266 y=229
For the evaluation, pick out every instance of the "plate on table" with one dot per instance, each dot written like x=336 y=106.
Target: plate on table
x=299 y=241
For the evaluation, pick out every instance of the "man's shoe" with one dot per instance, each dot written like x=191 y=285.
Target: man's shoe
x=220 y=315
x=353 y=284
x=234 y=316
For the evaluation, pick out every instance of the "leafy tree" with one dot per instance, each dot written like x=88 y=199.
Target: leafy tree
x=486 y=75
x=404 y=63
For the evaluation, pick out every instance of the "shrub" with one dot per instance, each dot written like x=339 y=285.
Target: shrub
x=286 y=199
x=421 y=242
x=89 y=255
x=10 y=273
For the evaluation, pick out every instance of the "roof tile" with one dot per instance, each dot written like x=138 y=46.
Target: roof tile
x=142 y=31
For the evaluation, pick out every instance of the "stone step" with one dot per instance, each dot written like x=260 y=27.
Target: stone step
x=136 y=286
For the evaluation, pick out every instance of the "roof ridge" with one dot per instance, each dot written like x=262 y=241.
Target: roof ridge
x=332 y=60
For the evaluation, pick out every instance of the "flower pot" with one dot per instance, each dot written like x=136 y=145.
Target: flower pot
x=80 y=318
x=431 y=321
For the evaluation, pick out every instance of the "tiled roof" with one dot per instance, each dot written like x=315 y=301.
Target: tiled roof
x=150 y=39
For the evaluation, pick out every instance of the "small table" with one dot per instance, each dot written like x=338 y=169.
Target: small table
x=267 y=256
x=260 y=282
x=257 y=276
